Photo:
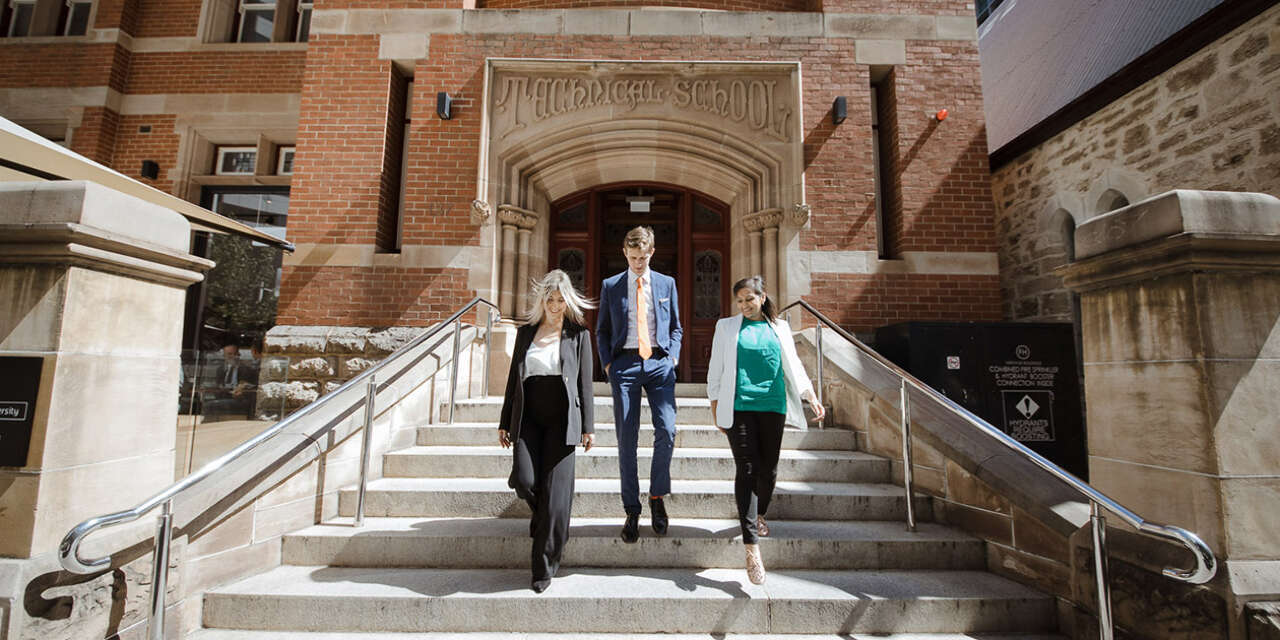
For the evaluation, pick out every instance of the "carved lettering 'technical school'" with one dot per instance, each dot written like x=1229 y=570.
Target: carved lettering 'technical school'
x=755 y=103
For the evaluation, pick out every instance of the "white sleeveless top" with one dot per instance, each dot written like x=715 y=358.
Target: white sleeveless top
x=542 y=361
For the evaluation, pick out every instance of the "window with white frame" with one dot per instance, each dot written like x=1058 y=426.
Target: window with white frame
x=20 y=14
x=284 y=165
x=77 y=18
x=303 y=32
x=257 y=21
x=236 y=161
x=42 y=18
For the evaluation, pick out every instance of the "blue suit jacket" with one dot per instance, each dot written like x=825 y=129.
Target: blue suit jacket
x=611 y=321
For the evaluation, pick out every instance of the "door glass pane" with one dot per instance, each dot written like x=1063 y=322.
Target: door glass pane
x=704 y=216
x=574 y=263
x=574 y=217
x=706 y=285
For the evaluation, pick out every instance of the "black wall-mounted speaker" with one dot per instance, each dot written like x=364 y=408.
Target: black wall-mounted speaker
x=839 y=110
x=444 y=106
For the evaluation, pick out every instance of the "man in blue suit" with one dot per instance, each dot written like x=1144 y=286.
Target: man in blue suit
x=638 y=340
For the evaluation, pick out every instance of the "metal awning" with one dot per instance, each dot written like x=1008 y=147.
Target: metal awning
x=27 y=156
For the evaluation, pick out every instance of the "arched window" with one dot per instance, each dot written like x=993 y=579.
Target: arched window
x=1066 y=226
x=1112 y=200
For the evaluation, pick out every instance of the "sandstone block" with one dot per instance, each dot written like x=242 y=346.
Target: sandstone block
x=311 y=368
x=292 y=394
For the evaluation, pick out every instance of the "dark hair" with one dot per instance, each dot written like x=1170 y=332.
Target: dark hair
x=756 y=285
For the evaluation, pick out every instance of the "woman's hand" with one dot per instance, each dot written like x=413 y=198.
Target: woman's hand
x=588 y=441
x=819 y=411
x=714 y=404
x=504 y=438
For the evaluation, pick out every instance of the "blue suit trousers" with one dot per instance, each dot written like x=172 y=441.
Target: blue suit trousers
x=628 y=374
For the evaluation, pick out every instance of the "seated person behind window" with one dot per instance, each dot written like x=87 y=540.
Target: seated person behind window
x=230 y=392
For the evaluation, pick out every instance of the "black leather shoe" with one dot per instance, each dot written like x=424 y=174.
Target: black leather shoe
x=658 y=516
x=540 y=585
x=631 y=530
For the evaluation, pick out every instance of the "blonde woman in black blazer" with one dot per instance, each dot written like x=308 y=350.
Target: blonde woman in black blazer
x=547 y=411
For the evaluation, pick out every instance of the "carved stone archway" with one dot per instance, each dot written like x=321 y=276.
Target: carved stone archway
x=555 y=127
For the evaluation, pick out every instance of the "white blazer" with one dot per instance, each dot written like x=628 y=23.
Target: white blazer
x=722 y=373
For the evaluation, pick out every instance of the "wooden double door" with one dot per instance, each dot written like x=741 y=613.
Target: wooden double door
x=691 y=245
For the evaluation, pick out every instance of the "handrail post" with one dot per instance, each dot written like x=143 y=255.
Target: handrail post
x=366 y=440
x=160 y=572
x=488 y=348
x=1100 y=570
x=818 y=340
x=453 y=371
x=908 y=479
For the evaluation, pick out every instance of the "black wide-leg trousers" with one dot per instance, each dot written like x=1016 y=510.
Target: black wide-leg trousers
x=756 y=440
x=543 y=470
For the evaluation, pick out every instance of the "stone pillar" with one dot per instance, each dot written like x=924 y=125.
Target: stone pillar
x=506 y=290
x=515 y=258
x=94 y=286
x=764 y=251
x=522 y=269
x=756 y=250
x=771 y=261
x=1180 y=316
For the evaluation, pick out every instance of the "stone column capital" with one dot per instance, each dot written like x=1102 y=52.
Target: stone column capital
x=763 y=219
x=522 y=218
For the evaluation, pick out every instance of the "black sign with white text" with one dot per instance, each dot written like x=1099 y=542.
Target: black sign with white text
x=19 y=385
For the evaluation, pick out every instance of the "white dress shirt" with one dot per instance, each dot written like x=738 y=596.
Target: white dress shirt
x=542 y=361
x=633 y=342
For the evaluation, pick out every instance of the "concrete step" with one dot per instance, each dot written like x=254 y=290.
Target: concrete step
x=490 y=497
x=687 y=436
x=683 y=389
x=688 y=410
x=503 y=543
x=602 y=462
x=237 y=634
x=297 y=598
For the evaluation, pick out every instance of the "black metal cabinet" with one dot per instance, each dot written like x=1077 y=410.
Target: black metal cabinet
x=1020 y=377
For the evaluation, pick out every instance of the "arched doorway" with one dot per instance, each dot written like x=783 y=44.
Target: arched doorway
x=692 y=237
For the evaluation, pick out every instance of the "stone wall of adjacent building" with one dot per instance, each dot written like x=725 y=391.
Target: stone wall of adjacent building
x=1211 y=122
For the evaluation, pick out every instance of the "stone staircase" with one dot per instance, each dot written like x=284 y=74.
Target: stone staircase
x=444 y=553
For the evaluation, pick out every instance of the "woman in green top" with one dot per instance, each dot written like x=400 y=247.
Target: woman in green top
x=755 y=382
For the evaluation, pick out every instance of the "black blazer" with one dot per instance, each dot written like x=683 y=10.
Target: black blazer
x=576 y=369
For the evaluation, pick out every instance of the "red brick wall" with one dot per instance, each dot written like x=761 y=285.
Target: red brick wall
x=160 y=144
x=891 y=169
x=337 y=185
x=121 y=14
x=335 y=199
x=161 y=18
x=60 y=65
x=862 y=302
x=217 y=72
x=726 y=5
x=369 y=297
x=95 y=138
x=392 y=161
x=945 y=176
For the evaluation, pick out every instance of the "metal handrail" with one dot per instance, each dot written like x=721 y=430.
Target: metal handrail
x=1206 y=564
x=69 y=549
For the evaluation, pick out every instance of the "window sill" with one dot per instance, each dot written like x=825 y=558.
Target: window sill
x=240 y=181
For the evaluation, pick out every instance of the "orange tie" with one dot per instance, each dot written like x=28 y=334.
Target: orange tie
x=642 y=320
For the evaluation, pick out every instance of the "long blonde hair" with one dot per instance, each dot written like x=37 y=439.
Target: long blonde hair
x=575 y=304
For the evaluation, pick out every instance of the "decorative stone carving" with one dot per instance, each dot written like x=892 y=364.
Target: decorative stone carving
x=762 y=219
x=799 y=214
x=513 y=215
x=480 y=212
